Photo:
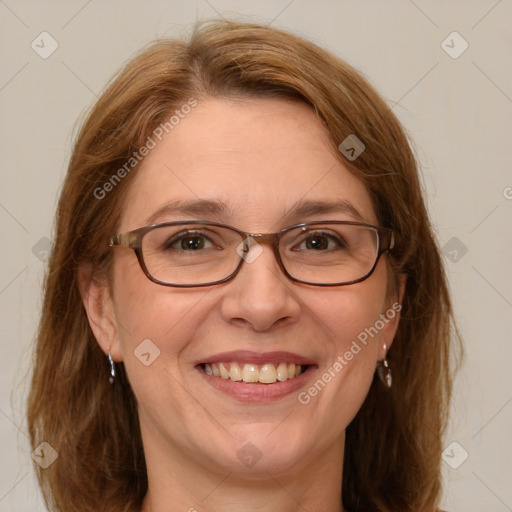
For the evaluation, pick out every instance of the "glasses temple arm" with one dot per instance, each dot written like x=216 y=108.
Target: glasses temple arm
x=121 y=239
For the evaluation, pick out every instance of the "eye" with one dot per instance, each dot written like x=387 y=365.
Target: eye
x=189 y=242
x=321 y=241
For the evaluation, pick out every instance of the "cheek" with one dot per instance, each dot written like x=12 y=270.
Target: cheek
x=144 y=310
x=347 y=314
x=158 y=324
x=350 y=320
x=352 y=354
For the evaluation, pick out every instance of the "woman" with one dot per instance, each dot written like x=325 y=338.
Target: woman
x=242 y=237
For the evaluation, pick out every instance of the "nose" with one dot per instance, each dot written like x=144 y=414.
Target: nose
x=260 y=296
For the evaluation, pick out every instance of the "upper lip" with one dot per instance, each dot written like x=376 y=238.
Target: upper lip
x=248 y=356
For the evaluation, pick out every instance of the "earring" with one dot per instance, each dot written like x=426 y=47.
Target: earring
x=384 y=371
x=112 y=367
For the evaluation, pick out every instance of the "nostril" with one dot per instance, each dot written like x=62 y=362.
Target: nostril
x=240 y=322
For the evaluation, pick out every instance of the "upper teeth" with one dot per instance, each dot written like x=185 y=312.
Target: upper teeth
x=266 y=373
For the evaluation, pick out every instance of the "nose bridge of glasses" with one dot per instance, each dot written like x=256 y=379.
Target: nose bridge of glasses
x=271 y=239
x=256 y=239
x=263 y=238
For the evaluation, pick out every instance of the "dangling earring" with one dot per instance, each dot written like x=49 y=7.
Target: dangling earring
x=384 y=371
x=112 y=367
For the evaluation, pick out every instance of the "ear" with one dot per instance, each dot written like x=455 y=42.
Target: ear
x=391 y=315
x=99 y=307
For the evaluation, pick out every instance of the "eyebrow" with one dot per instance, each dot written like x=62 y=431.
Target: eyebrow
x=204 y=207
x=194 y=208
x=310 y=208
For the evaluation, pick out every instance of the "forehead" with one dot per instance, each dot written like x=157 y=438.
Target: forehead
x=259 y=158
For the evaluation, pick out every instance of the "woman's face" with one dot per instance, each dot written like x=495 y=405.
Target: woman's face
x=259 y=165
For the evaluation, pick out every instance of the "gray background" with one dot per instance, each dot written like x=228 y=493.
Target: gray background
x=457 y=110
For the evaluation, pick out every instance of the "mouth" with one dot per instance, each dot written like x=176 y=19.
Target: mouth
x=251 y=376
x=267 y=373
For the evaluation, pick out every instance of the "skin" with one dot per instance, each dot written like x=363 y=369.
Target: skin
x=259 y=157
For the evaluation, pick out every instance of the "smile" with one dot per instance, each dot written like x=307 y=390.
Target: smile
x=250 y=376
x=267 y=373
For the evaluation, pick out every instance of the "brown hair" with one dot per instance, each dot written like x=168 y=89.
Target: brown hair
x=392 y=456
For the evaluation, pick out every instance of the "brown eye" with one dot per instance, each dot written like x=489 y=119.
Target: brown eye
x=317 y=243
x=188 y=242
x=192 y=243
x=321 y=242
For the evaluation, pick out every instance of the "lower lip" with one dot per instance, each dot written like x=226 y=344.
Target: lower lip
x=257 y=392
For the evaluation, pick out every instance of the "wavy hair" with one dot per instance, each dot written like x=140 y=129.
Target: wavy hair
x=393 y=446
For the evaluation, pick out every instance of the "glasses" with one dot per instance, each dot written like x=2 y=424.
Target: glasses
x=197 y=253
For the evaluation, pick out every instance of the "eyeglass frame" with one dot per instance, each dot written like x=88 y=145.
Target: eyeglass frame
x=133 y=240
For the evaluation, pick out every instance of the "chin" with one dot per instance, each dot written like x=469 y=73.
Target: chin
x=262 y=449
